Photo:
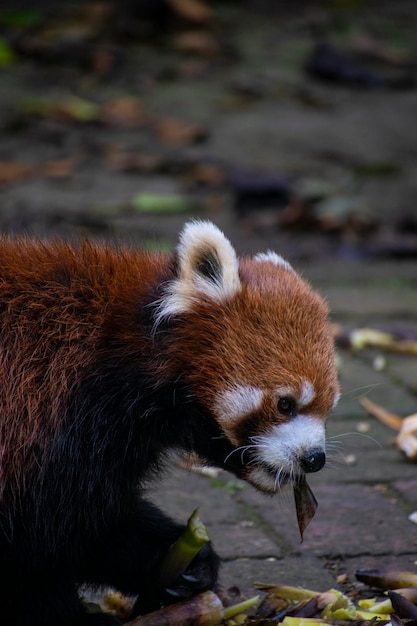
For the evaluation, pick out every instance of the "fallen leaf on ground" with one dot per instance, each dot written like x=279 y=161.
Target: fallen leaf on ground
x=198 y=42
x=120 y=159
x=59 y=169
x=368 y=46
x=172 y=130
x=124 y=112
x=195 y=11
x=360 y=338
x=150 y=202
x=73 y=109
x=14 y=171
x=385 y=417
x=200 y=173
x=406 y=440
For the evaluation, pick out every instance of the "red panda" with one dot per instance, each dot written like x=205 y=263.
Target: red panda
x=111 y=357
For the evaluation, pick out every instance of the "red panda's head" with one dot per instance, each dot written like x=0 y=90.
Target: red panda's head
x=254 y=344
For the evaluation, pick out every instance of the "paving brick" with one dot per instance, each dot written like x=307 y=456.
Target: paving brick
x=407 y=488
x=180 y=492
x=358 y=379
x=299 y=571
x=348 y=300
x=351 y=519
x=402 y=371
x=242 y=540
x=360 y=273
x=353 y=456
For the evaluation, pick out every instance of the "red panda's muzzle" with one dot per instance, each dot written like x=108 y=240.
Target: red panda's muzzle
x=282 y=454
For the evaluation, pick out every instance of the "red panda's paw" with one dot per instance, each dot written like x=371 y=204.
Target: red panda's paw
x=201 y=575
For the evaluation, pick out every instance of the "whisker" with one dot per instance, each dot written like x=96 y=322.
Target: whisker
x=356 y=434
x=242 y=450
x=277 y=482
x=336 y=463
x=365 y=390
x=333 y=447
x=260 y=441
x=361 y=392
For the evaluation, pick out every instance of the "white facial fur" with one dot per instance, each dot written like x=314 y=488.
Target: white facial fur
x=236 y=402
x=282 y=448
x=308 y=393
x=303 y=398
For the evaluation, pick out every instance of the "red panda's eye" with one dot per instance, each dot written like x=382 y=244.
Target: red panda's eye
x=286 y=406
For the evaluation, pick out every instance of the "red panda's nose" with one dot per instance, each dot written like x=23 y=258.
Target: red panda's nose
x=313 y=460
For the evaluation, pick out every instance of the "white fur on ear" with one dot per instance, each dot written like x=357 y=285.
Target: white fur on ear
x=207 y=267
x=273 y=257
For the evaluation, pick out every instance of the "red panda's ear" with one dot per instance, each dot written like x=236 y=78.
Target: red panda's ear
x=207 y=268
x=273 y=257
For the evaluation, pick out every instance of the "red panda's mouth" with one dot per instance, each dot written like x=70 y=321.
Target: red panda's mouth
x=269 y=479
x=260 y=474
x=280 y=476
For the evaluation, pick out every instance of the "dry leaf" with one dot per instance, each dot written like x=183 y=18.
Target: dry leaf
x=120 y=159
x=360 y=338
x=381 y=414
x=98 y=12
x=124 y=112
x=172 y=130
x=194 y=11
x=72 y=109
x=197 y=42
x=103 y=59
x=13 y=171
x=205 y=174
x=366 y=45
x=305 y=503
x=406 y=440
x=60 y=169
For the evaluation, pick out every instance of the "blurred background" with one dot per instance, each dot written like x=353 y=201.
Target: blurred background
x=291 y=125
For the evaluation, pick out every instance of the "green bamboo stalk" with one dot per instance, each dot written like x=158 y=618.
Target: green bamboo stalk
x=183 y=550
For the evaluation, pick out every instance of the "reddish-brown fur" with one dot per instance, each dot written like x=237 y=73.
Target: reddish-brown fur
x=274 y=332
x=111 y=357
x=59 y=305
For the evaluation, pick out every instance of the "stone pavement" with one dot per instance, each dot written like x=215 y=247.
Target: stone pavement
x=367 y=490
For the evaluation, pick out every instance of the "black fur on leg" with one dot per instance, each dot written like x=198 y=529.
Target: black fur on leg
x=101 y=619
x=130 y=554
x=31 y=598
x=201 y=575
